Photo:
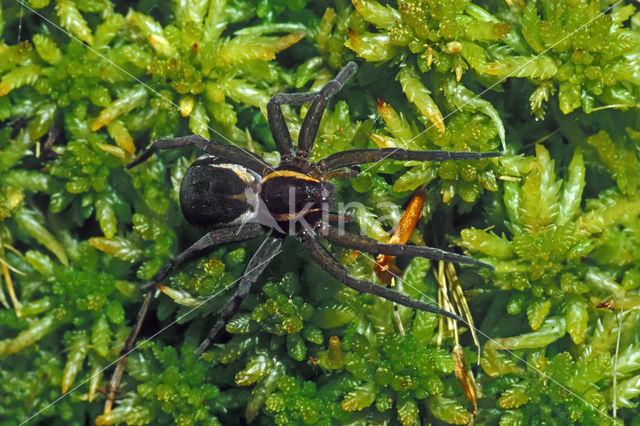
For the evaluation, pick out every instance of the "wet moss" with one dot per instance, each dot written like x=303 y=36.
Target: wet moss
x=557 y=215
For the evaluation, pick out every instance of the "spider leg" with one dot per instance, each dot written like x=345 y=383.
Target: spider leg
x=230 y=153
x=262 y=257
x=277 y=124
x=116 y=378
x=344 y=173
x=210 y=239
x=341 y=217
x=359 y=156
x=309 y=128
x=230 y=234
x=311 y=121
x=336 y=270
x=369 y=245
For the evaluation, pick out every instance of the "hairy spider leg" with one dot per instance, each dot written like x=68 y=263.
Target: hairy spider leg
x=116 y=378
x=216 y=237
x=260 y=260
x=225 y=235
x=230 y=153
x=359 y=156
x=309 y=128
x=277 y=124
x=345 y=173
x=311 y=121
x=357 y=242
x=341 y=217
x=322 y=256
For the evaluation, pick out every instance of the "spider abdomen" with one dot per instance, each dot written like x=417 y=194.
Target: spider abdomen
x=216 y=194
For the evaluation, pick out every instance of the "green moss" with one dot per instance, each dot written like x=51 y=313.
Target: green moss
x=558 y=217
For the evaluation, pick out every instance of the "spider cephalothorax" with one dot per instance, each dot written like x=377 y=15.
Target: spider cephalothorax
x=294 y=199
x=235 y=195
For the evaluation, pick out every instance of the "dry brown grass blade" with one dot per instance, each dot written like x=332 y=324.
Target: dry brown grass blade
x=466 y=379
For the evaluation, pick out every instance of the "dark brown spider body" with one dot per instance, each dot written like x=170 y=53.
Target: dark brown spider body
x=295 y=199
x=214 y=193
x=235 y=195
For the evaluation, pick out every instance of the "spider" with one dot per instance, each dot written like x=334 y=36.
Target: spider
x=235 y=195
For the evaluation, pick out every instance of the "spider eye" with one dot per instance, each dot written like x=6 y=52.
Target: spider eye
x=213 y=194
